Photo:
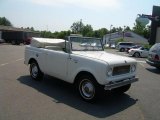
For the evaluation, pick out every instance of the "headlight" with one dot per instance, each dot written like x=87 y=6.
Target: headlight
x=133 y=68
x=109 y=72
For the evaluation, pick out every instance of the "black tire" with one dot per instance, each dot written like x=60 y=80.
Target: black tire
x=122 y=50
x=89 y=94
x=122 y=89
x=35 y=71
x=158 y=68
x=13 y=42
x=136 y=54
x=18 y=43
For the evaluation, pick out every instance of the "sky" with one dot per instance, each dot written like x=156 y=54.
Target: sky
x=59 y=15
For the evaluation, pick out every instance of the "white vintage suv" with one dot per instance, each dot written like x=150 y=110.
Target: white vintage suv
x=83 y=62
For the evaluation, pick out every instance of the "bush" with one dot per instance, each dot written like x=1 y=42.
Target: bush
x=120 y=40
x=147 y=46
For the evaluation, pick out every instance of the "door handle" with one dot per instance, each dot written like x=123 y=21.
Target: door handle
x=74 y=60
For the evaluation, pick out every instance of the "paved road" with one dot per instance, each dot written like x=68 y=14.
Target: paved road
x=24 y=99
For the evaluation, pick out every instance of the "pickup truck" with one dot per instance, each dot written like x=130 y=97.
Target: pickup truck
x=83 y=62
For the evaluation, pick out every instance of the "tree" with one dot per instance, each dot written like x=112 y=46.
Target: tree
x=30 y=28
x=141 y=29
x=102 y=32
x=138 y=28
x=127 y=28
x=147 y=31
x=87 y=30
x=77 y=27
x=4 y=21
x=113 y=30
x=119 y=29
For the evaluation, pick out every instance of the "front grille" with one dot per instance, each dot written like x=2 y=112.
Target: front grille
x=121 y=70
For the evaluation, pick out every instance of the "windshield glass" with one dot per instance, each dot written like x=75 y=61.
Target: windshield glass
x=86 y=44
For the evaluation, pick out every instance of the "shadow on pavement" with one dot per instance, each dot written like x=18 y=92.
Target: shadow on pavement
x=62 y=92
x=153 y=70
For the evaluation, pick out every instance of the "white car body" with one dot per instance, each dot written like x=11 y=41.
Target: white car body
x=143 y=52
x=67 y=65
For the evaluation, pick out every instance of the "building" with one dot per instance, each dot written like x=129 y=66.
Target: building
x=155 y=26
x=16 y=35
x=127 y=36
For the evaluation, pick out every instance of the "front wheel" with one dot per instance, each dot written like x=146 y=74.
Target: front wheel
x=158 y=68
x=13 y=42
x=88 y=88
x=35 y=72
x=137 y=54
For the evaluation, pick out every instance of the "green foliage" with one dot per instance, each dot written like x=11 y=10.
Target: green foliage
x=4 y=21
x=87 y=30
x=61 y=35
x=141 y=30
x=147 y=46
x=77 y=27
x=120 y=40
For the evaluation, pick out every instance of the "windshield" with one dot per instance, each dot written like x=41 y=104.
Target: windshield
x=85 y=44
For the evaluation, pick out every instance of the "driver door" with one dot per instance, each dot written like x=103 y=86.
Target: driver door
x=57 y=63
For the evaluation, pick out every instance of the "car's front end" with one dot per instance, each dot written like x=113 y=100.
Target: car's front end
x=93 y=69
x=121 y=74
x=131 y=52
x=119 y=70
x=154 y=56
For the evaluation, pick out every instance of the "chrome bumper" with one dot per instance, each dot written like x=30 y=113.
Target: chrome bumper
x=113 y=85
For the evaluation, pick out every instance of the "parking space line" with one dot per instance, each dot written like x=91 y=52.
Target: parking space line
x=3 y=64
x=19 y=59
x=142 y=64
x=11 y=62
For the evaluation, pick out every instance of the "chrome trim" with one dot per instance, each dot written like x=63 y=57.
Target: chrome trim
x=121 y=83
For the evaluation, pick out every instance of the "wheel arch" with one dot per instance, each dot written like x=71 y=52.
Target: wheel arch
x=137 y=52
x=31 y=60
x=83 y=73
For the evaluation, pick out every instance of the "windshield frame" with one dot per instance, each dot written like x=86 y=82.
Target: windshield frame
x=100 y=42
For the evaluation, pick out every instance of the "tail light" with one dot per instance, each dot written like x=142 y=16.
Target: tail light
x=156 y=57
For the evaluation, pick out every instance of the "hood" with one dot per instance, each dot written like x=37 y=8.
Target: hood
x=104 y=56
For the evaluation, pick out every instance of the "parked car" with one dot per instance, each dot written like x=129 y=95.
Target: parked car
x=132 y=47
x=27 y=41
x=139 y=52
x=2 y=40
x=154 y=56
x=121 y=46
x=91 y=70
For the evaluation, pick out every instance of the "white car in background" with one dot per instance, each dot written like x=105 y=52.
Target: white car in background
x=2 y=41
x=139 y=52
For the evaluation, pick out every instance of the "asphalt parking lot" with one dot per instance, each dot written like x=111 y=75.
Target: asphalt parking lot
x=21 y=98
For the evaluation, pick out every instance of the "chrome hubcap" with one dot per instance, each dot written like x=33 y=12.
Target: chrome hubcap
x=34 y=70
x=87 y=89
x=136 y=55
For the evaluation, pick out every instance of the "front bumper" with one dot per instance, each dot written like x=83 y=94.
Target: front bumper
x=121 y=83
x=153 y=63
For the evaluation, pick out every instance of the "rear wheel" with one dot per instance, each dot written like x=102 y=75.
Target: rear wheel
x=136 y=54
x=35 y=72
x=122 y=50
x=13 y=42
x=88 y=88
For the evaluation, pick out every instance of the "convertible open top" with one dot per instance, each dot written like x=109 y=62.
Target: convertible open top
x=43 y=42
